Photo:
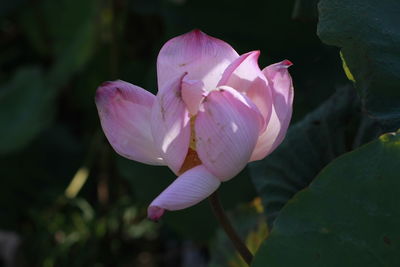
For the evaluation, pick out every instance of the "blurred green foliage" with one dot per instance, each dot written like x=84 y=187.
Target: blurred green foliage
x=54 y=54
x=369 y=44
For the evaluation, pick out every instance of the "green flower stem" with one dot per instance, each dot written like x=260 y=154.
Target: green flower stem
x=223 y=220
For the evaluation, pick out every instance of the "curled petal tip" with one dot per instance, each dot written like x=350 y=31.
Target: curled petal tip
x=287 y=63
x=110 y=89
x=104 y=92
x=154 y=213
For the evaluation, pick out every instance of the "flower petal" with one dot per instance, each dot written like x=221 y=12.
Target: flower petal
x=203 y=57
x=242 y=72
x=187 y=190
x=245 y=76
x=227 y=127
x=170 y=125
x=192 y=94
x=282 y=87
x=124 y=111
x=282 y=91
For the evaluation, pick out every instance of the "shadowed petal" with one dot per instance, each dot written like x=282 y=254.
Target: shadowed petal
x=170 y=125
x=124 y=111
x=203 y=57
x=227 y=127
x=187 y=190
x=282 y=91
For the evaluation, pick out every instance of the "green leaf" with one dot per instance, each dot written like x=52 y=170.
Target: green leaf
x=26 y=108
x=349 y=216
x=367 y=32
x=336 y=127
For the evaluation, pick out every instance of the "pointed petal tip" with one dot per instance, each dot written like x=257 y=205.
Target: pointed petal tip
x=255 y=52
x=154 y=213
x=286 y=63
x=196 y=31
x=254 y=55
x=195 y=34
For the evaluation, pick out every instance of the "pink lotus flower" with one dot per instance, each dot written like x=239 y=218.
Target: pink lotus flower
x=214 y=112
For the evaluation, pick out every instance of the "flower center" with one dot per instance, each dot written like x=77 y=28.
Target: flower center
x=192 y=159
x=192 y=143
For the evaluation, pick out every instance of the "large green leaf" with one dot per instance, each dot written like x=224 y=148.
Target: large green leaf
x=349 y=216
x=368 y=33
x=336 y=127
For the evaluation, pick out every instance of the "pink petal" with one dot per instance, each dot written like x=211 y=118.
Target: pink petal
x=227 y=127
x=245 y=76
x=242 y=72
x=192 y=94
x=282 y=91
x=187 y=190
x=282 y=87
x=124 y=111
x=170 y=125
x=203 y=57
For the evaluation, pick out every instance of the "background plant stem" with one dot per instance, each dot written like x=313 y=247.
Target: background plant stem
x=223 y=220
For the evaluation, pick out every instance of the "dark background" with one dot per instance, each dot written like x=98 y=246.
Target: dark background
x=53 y=55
